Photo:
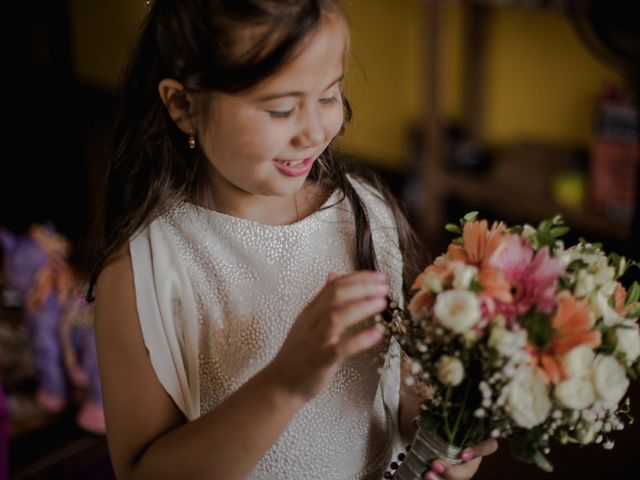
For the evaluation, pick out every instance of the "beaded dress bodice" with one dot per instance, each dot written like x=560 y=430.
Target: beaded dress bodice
x=249 y=282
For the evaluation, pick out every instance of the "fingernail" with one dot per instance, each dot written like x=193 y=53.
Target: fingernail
x=467 y=455
x=432 y=476
x=438 y=467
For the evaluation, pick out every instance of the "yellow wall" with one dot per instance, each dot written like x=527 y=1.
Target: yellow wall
x=102 y=32
x=540 y=81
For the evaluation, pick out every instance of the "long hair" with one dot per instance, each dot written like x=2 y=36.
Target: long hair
x=207 y=45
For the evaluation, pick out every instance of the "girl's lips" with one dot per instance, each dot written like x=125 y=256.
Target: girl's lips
x=295 y=171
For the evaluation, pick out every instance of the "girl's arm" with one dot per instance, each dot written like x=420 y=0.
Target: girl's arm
x=148 y=436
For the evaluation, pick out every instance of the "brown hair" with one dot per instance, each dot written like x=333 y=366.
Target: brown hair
x=196 y=42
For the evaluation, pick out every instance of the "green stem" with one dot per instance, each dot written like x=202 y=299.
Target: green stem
x=466 y=435
x=447 y=398
x=461 y=411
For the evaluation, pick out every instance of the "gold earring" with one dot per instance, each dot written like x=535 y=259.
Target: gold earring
x=192 y=141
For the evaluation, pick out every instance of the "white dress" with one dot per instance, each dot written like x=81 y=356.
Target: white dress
x=217 y=295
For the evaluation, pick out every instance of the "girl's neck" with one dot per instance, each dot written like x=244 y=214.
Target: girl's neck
x=269 y=210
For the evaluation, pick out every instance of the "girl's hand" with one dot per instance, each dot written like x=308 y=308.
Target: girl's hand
x=317 y=343
x=441 y=470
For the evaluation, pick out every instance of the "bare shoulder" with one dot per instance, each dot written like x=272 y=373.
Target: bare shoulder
x=137 y=408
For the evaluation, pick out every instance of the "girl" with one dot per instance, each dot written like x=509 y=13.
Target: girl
x=228 y=346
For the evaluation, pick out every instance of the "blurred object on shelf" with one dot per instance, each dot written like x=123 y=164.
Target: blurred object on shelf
x=462 y=153
x=569 y=184
x=569 y=189
x=615 y=156
x=526 y=168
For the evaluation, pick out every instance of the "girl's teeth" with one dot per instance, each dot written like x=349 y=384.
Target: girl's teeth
x=293 y=164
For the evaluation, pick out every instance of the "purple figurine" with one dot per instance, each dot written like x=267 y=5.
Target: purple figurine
x=35 y=268
x=81 y=358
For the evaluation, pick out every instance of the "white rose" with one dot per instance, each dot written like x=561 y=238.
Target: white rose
x=464 y=275
x=601 y=308
x=609 y=380
x=457 y=310
x=575 y=393
x=450 y=370
x=528 y=402
x=577 y=362
x=506 y=342
x=628 y=342
x=585 y=284
x=432 y=282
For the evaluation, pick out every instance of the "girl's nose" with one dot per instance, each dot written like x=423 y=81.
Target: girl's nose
x=312 y=132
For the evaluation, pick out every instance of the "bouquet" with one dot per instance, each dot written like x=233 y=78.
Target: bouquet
x=517 y=337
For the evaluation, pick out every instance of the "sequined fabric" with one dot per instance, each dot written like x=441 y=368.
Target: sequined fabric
x=250 y=281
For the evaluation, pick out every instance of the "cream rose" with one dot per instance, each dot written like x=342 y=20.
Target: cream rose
x=577 y=362
x=457 y=310
x=528 y=401
x=609 y=380
x=628 y=342
x=575 y=393
x=450 y=370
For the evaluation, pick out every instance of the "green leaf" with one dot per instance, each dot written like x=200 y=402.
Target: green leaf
x=453 y=228
x=471 y=216
x=539 y=329
x=542 y=462
x=544 y=226
x=558 y=231
x=632 y=374
x=634 y=294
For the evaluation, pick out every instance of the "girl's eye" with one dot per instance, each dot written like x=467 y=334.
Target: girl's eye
x=326 y=101
x=281 y=115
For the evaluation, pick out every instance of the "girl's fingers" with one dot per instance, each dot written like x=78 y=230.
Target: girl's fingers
x=353 y=313
x=484 y=448
x=358 y=343
x=444 y=471
x=342 y=295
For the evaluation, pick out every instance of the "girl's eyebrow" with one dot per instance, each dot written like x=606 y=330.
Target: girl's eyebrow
x=296 y=94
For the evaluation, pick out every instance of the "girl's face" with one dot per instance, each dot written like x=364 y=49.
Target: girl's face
x=262 y=143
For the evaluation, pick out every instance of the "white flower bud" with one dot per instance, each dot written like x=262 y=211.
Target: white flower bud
x=432 y=282
x=628 y=342
x=450 y=370
x=585 y=284
x=463 y=276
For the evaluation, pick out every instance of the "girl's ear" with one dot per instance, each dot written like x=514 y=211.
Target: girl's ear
x=179 y=104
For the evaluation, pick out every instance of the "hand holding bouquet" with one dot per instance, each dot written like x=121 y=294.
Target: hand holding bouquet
x=518 y=338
